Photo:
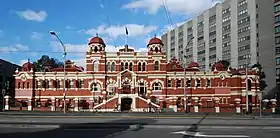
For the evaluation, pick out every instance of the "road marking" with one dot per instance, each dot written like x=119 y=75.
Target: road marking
x=27 y=126
x=124 y=116
x=199 y=134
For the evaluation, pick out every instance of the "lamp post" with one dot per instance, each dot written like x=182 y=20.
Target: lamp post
x=64 y=69
x=185 y=92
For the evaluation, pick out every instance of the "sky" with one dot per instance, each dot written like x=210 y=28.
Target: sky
x=25 y=25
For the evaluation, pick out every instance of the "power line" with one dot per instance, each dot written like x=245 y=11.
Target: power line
x=165 y=6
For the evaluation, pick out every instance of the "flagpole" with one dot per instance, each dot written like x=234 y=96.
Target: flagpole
x=126 y=36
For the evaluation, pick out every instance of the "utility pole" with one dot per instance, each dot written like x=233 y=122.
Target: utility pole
x=246 y=72
x=64 y=69
x=185 y=66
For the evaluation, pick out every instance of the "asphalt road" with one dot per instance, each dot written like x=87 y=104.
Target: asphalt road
x=89 y=127
x=135 y=133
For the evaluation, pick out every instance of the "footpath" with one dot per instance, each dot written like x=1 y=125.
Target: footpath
x=135 y=115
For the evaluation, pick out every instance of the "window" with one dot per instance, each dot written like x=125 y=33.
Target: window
x=277 y=40
x=277 y=50
x=95 y=66
x=130 y=66
x=226 y=27
x=169 y=83
x=142 y=89
x=226 y=19
x=108 y=66
x=277 y=18
x=157 y=86
x=126 y=65
x=95 y=87
x=111 y=89
x=242 y=3
x=23 y=85
x=157 y=66
x=277 y=8
x=113 y=66
x=277 y=29
x=278 y=61
x=82 y=84
x=277 y=71
x=208 y=83
x=122 y=66
x=139 y=66
x=197 y=82
x=71 y=84
x=243 y=12
x=144 y=66
x=178 y=83
x=189 y=83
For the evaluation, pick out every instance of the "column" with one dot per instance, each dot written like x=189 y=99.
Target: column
x=53 y=104
x=29 y=108
x=195 y=106
x=7 y=102
x=273 y=105
x=217 y=104
x=237 y=105
x=76 y=107
x=91 y=104
x=149 y=94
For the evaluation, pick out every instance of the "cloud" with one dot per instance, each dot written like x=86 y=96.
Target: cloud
x=69 y=27
x=119 y=30
x=30 y=15
x=36 y=35
x=14 y=48
x=21 y=62
x=182 y=7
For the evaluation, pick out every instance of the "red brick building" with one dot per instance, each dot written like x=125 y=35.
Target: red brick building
x=132 y=80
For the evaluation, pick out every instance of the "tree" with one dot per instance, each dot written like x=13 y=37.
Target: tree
x=262 y=83
x=39 y=64
x=225 y=63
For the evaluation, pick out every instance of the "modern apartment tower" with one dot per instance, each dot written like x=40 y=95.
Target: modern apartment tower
x=240 y=31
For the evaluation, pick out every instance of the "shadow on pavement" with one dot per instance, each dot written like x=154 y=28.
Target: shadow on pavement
x=86 y=130
x=194 y=128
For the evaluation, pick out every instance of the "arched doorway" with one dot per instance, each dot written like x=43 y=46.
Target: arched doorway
x=126 y=104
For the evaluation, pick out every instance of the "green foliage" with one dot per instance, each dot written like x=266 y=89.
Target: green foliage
x=39 y=64
x=225 y=63
x=262 y=76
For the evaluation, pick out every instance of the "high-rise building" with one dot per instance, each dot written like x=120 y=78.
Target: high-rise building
x=240 y=31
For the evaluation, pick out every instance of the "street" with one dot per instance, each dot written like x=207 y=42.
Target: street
x=123 y=132
x=101 y=127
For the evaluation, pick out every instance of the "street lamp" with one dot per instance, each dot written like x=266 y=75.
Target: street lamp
x=185 y=92
x=64 y=69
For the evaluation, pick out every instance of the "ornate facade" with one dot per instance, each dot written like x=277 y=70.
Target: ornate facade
x=134 y=81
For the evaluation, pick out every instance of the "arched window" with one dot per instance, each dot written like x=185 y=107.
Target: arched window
x=95 y=66
x=156 y=49
x=249 y=84
x=144 y=66
x=139 y=66
x=95 y=87
x=111 y=89
x=95 y=49
x=113 y=66
x=157 y=86
x=108 y=66
x=198 y=84
x=157 y=66
x=122 y=66
x=142 y=89
x=130 y=66
x=126 y=65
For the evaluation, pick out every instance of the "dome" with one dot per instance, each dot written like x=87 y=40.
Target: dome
x=27 y=66
x=97 y=40
x=193 y=65
x=155 y=40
